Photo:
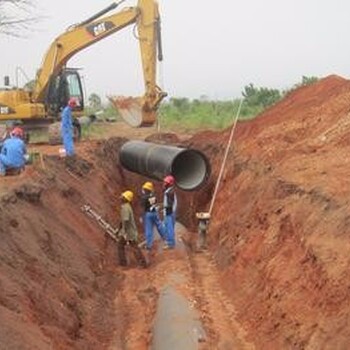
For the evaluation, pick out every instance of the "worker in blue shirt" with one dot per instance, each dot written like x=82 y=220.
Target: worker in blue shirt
x=13 y=152
x=151 y=216
x=67 y=127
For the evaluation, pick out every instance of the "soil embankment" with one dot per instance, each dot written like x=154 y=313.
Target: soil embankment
x=58 y=276
x=280 y=228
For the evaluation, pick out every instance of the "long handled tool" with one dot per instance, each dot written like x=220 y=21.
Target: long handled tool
x=109 y=229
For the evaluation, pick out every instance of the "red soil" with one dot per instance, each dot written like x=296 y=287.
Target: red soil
x=281 y=220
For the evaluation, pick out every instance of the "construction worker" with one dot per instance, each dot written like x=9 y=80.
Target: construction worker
x=151 y=216
x=203 y=223
x=127 y=234
x=13 y=152
x=169 y=207
x=67 y=127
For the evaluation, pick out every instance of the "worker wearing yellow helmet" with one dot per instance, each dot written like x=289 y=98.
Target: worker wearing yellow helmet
x=128 y=196
x=148 y=186
x=128 y=231
x=151 y=216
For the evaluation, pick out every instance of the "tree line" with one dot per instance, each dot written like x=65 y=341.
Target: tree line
x=184 y=113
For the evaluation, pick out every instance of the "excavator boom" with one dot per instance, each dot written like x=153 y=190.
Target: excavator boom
x=145 y=16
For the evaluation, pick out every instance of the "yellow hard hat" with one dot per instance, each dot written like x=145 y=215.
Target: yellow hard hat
x=128 y=195
x=148 y=186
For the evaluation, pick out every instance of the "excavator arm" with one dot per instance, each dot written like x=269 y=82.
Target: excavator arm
x=136 y=111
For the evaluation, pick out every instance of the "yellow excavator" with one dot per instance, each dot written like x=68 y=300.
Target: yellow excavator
x=55 y=83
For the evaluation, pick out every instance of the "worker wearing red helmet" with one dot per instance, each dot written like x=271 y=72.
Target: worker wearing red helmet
x=13 y=152
x=67 y=127
x=169 y=205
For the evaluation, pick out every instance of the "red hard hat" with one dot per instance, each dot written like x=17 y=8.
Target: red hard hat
x=72 y=102
x=169 y=180
x=17 y=131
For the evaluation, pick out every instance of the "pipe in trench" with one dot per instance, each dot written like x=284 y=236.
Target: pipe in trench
x=190 y=167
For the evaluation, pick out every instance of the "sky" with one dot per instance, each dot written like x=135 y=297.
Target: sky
x=211 y=48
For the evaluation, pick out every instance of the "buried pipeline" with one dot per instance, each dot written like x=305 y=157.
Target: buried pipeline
x=190 y=167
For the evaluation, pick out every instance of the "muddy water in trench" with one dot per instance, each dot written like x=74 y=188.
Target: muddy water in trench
x=192 y=276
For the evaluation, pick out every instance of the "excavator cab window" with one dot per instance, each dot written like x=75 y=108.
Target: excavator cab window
x=62 y=87
x=74 y=87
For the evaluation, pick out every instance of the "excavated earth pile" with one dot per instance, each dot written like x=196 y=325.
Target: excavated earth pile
x=280 y=228
x=279 y=235
x=58 y=274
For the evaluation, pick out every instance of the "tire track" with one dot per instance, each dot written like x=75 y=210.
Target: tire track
x=217 y=311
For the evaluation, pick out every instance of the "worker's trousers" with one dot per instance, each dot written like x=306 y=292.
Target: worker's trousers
x=67 y=138
x=151 y=220
x=169 y=222
x=122 y=242
x=5 y=163
x=202 y=239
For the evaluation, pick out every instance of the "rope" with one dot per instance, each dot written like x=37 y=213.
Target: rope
x=225 y=157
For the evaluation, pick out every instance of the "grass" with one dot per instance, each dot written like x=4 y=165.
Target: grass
x=196 y=115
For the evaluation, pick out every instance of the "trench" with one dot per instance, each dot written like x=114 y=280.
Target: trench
x=61 y=286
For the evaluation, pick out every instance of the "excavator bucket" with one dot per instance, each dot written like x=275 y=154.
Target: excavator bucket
x=133 y=111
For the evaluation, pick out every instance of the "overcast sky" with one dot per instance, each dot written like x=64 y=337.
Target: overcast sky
x=211 y=48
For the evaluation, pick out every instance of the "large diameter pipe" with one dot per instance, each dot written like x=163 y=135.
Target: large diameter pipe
x=189 y=167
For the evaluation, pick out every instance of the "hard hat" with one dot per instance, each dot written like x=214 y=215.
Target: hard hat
x=169 y=180
x=148 y=186
x=72 y=102
x=17 y=131
x=128 y=195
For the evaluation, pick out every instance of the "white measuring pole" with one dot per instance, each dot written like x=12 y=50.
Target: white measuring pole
x=225 y=157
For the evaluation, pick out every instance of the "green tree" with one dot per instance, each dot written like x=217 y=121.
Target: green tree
x=181 y=104
x=95 y=101
x=304 y=81
x=263 y=96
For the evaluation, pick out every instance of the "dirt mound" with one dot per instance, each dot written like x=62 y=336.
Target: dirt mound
x=163 y=138
x=58 y=276
x=280 y=223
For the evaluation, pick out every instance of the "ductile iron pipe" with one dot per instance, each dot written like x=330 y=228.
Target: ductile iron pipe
x=190 y=167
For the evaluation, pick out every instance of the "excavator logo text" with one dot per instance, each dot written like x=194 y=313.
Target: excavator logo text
x=5 y=109
x=97 y=29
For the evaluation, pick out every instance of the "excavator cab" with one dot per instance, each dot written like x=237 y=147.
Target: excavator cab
x=62 y=87
x=66 y=84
